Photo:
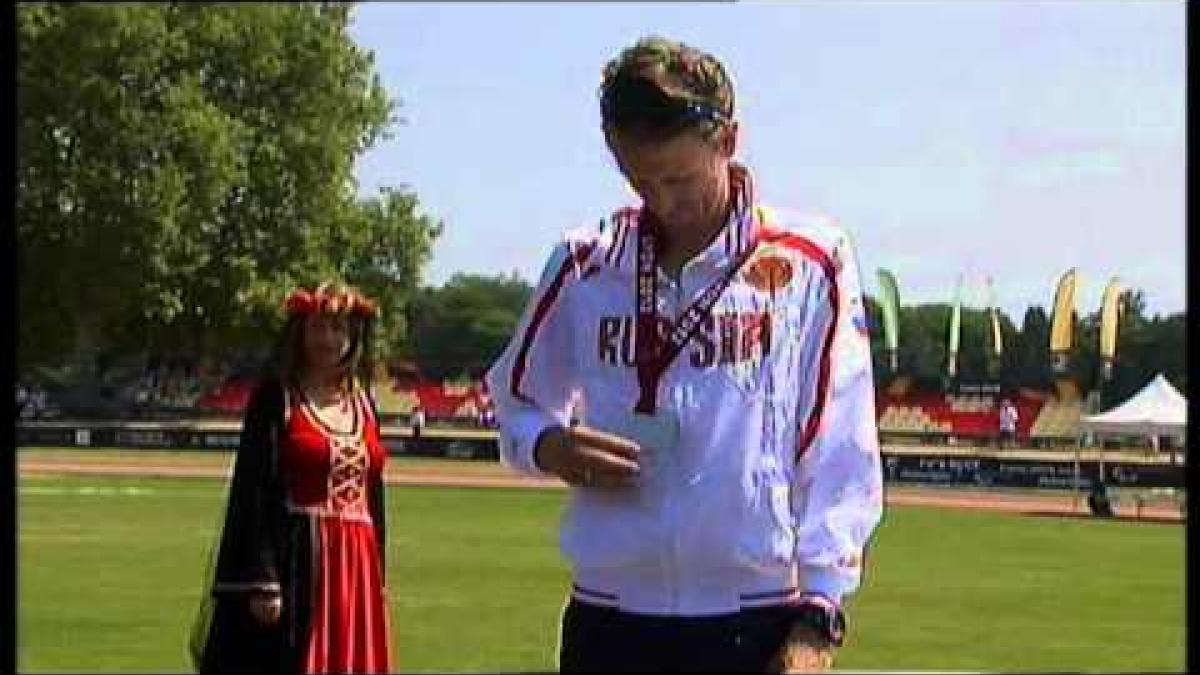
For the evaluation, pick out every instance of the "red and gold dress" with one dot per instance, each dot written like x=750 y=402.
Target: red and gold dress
x=327 y=475
x=305 y=519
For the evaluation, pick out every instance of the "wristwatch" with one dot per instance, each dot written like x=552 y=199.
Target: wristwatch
x=819 y=612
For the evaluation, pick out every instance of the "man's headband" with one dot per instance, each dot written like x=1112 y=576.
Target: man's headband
x=640 y=102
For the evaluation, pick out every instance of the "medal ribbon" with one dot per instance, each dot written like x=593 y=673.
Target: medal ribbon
x=652 y=354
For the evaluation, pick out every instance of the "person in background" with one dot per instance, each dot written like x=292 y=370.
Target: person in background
x=1100 y=500
x=1008 y=423
x=37 y=401
x=298 y=584
x=416 y=420
x=22 y=399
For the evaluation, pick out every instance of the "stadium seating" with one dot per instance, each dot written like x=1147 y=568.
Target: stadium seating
x=971 y=403
x=898 y=417
x=1058 y=419
x=439 y=400
x=231 y=396
x=963 y=416
x=393 y=401
x=971 y=416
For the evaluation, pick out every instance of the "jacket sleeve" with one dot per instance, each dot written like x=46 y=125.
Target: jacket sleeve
x=837 y=497
x=248 y=559
x=532 y=380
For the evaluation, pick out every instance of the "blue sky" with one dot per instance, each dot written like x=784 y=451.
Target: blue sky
x=1005 y=139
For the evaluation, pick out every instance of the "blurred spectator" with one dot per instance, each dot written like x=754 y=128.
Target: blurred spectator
x=141 y=392
x=1099 y=500
x=22 y=399
x=1008 y=423
x=416 y=419
x=36 y=405
x=487 y=416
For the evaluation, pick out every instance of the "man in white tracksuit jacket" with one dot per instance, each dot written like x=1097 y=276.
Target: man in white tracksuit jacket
x=726 y=475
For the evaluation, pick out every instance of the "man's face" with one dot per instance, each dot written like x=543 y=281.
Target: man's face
x=684 y=180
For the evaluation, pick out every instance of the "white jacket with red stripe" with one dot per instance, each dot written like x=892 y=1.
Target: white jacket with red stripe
x=774 y=487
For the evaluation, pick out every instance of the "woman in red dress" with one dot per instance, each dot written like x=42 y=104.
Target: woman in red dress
x=299 y=578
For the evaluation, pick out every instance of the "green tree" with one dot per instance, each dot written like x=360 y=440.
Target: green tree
x=881 y=367
x=181 y=166
x=1010 y=359
x=387 y=245
x=1085 y=356
x=973 y=345
x=1032 y=349
x=1146 y=346
x=1170 y=352
x=923 y=342
x=458 y=330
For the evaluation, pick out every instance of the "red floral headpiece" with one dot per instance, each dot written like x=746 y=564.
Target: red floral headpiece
x=303 y=301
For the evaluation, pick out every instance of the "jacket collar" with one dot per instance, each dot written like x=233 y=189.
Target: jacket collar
x=735 y=237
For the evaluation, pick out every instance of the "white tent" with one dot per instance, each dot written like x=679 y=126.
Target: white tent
x=1158 y=409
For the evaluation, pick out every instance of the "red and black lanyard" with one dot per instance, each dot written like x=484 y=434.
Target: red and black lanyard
x=651 y=354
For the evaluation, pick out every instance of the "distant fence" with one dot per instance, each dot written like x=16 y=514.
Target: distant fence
x=925 y=466
x=1009 y=472
x=225 y=435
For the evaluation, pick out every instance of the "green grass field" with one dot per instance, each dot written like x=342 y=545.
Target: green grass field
x=109 y=572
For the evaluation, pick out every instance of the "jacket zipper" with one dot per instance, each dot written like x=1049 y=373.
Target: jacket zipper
x=674 y=555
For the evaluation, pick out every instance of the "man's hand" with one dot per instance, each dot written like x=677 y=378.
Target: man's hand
x=804 y=651
x=587 y=457
x=265 y=607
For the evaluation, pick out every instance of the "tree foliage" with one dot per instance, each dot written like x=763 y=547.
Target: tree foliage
x=181 y=166
x=460 y=328
x=1146 y=346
